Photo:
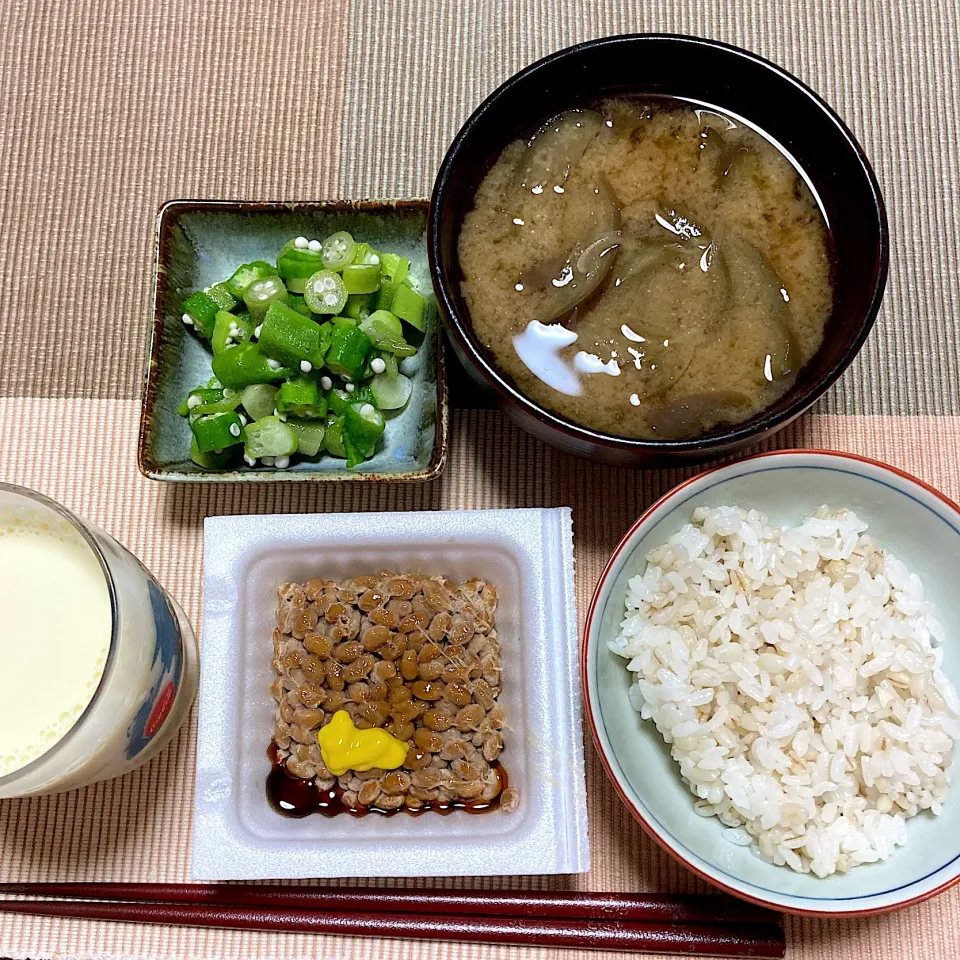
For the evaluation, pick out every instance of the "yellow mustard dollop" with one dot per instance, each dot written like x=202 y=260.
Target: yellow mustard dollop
x=344 y=747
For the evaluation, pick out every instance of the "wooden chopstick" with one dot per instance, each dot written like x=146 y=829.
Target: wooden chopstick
x=567 y=905
x=735 y=940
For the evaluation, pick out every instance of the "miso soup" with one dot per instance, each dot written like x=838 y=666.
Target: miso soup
x=648 y=269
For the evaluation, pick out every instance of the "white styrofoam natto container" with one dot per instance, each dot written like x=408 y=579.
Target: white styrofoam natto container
x=528 y=556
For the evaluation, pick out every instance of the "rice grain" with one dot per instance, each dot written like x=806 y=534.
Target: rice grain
x=796 y=674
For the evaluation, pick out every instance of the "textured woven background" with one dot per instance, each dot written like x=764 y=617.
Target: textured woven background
x=110 y=108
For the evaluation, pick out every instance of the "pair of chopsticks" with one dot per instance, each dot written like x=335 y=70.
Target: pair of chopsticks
x=705 y=926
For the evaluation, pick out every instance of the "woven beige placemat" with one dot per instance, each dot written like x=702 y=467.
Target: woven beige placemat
x=137 y=828
x=111 y=107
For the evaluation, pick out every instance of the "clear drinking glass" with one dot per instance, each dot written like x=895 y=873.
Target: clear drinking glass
x=149 y=680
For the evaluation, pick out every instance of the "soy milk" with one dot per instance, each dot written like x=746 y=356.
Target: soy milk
x=55 y=629
x=98 y=664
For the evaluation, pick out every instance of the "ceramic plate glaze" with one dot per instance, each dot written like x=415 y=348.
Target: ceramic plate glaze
x=202 y=242
x=919 y=526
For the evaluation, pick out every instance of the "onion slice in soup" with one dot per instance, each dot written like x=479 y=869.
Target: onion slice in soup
x=690 y=415
x=574 y=278
x=756 y=287
x=556 y=147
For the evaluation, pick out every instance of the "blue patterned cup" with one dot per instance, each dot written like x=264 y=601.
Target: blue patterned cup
x=101 y=672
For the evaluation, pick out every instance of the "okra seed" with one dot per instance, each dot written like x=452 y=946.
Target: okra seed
x=267 y=461
x=188 y=320
x=314 y=246
x=243 y=420
x=274 y=364
x=300 y=243
x=330 y=299
x=281 y=463
x=257 y=330
x=377 y=365
x=350 y=388
x=306 y=366
x=194 y=401
x=234 y=429
x=326 y=383
x=250 y=461
x=367 y=410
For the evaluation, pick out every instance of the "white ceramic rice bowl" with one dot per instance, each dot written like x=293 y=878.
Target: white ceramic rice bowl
x=922 y=528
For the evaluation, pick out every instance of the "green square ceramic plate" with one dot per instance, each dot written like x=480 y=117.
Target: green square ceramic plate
x=200 y=243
